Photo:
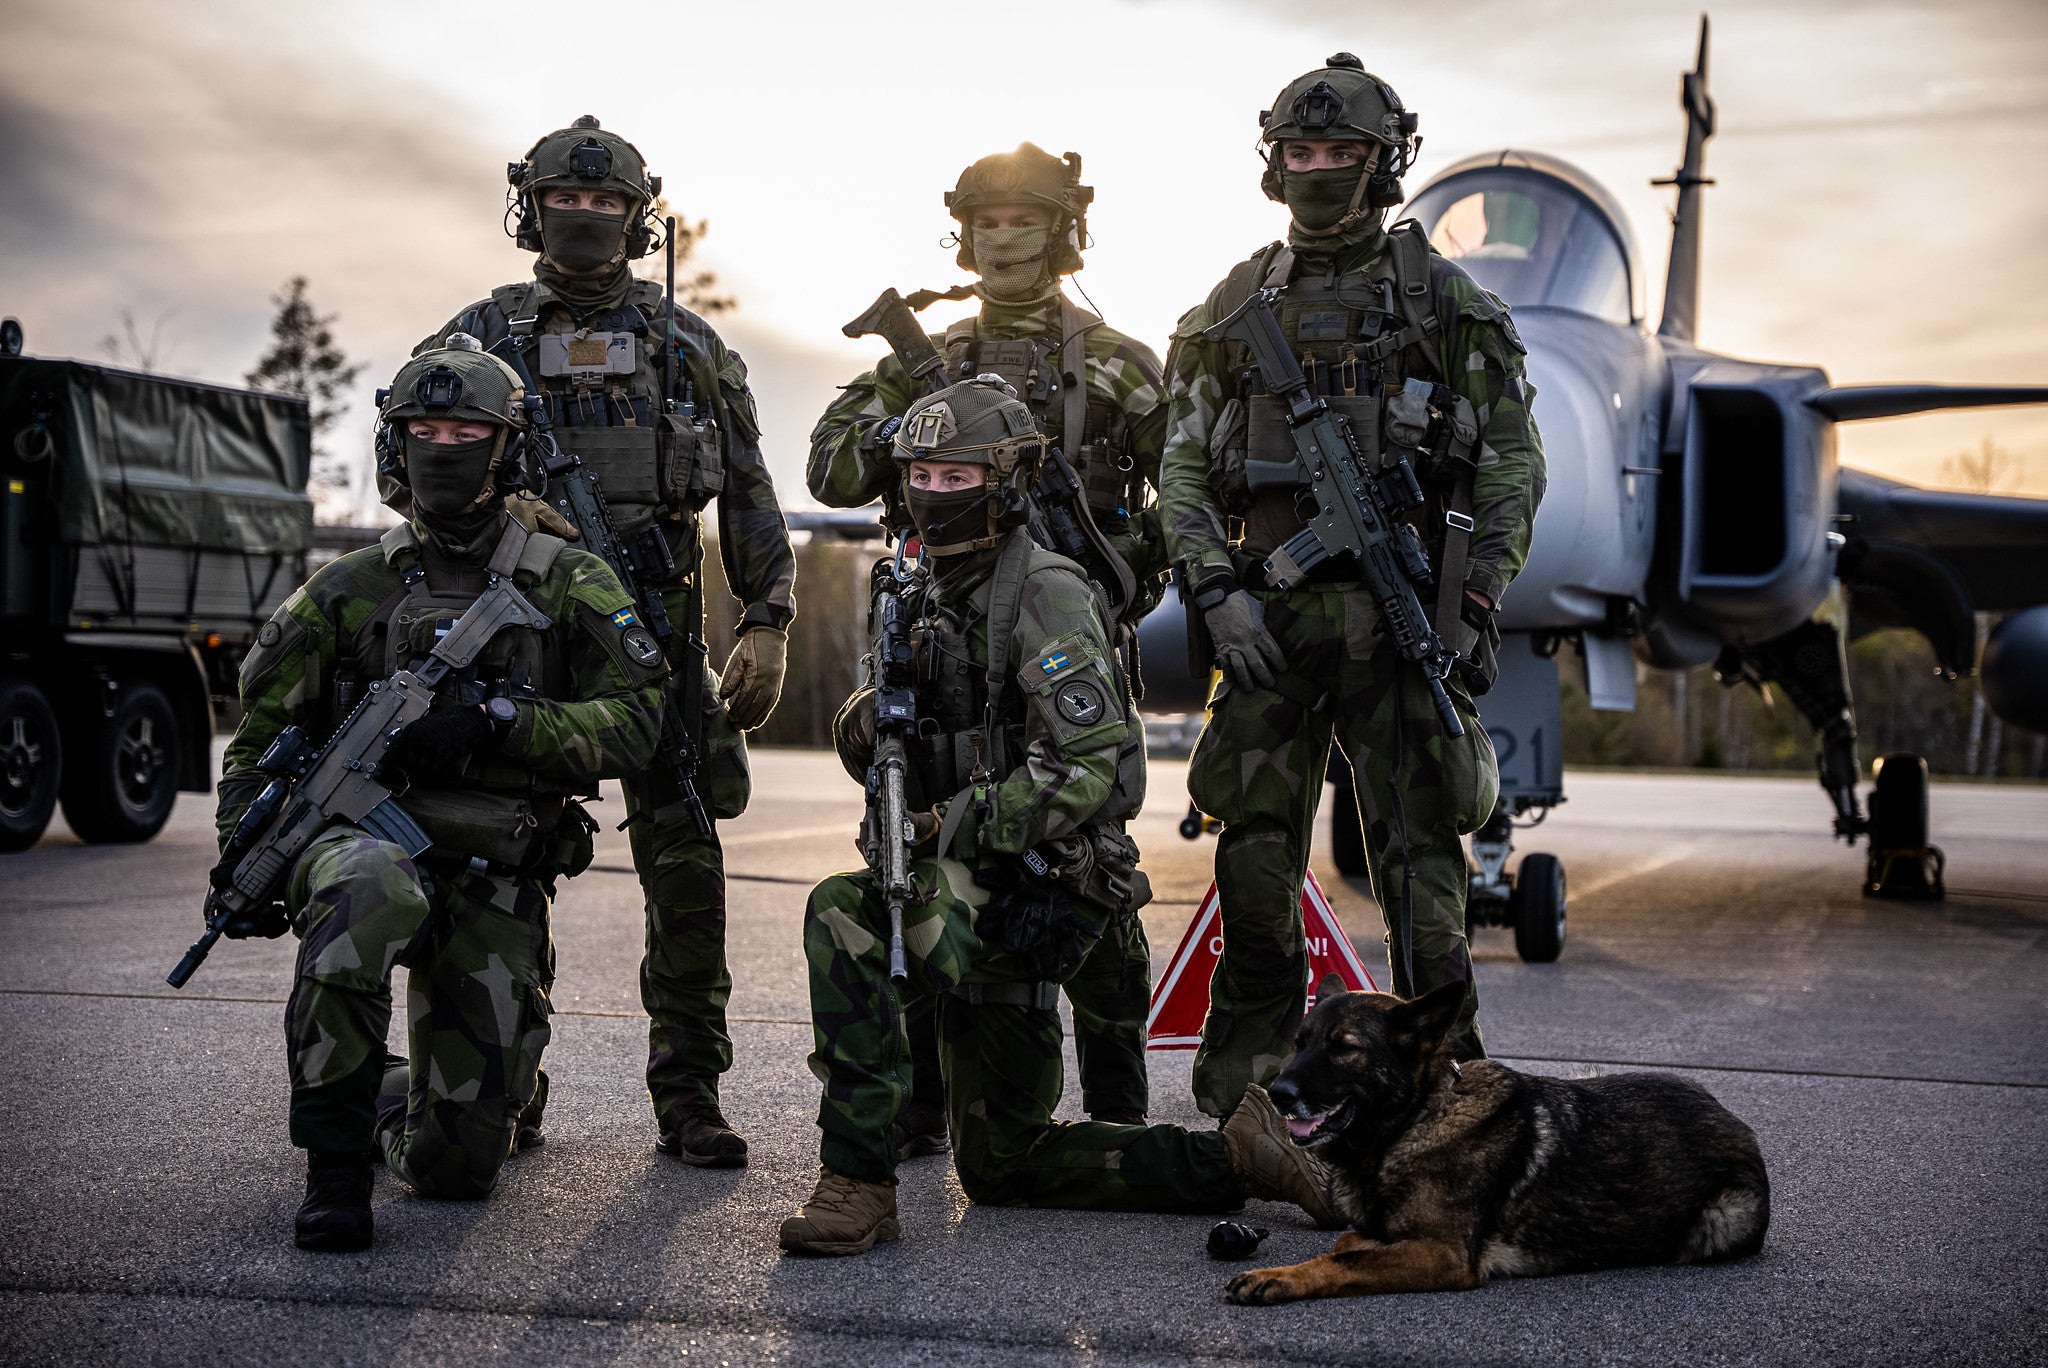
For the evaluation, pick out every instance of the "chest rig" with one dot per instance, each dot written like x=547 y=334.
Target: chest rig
x=602 y=380
x=1371 y=344
x=497 y=808
x=1050 y=374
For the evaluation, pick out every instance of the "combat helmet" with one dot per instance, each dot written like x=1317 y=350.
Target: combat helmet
x=979 y=421
x=1029 y=175
x=457 y=380
x=1341 y=99
x=590 y=158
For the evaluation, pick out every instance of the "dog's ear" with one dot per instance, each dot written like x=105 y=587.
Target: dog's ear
x=1425 y=1020
x=1331 y=986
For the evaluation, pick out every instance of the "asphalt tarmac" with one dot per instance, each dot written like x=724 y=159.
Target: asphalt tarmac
x=1892 y=1058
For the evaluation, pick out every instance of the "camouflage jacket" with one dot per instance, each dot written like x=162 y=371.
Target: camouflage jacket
x=1078 y=749
x=1484 y=357
x=1123 y=373
x=329 y=639
x=752 y=537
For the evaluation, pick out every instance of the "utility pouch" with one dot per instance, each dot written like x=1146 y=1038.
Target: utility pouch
x=477 y=824
x=1113 y=879
x=587 y=357
x=1407 y=415
x=571 y=846
x=627 y=466
x=691 y=466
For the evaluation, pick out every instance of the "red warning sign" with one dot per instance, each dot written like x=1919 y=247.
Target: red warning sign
x=1180 y=1002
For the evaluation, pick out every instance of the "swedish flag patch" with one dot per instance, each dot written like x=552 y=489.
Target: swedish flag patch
x=624 y=618
x=1053 y=663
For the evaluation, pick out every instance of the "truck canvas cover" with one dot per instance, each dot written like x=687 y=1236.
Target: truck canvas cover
x=164 y=500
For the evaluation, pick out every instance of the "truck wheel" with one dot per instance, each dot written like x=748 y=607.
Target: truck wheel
x=31 y=759
x=123 y=776
x=1537 y=906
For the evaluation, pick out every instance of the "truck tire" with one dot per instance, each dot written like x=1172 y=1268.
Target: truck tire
x=1537 y=906
x=31 y=762
x=123 y=775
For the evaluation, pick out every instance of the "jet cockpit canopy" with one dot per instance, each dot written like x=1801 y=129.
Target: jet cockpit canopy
x=1535 y=230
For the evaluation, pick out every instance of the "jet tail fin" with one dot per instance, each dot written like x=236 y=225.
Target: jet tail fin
x=1845 y=403
x=1682 y=279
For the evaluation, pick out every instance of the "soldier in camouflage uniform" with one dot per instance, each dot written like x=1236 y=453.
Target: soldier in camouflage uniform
x=1022 y=218
x=589 y=335
x=1020 y=844
x=1367 y=309
x=489 y=775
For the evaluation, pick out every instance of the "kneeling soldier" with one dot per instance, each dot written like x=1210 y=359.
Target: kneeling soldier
x=487 y=775
x=1021 y=768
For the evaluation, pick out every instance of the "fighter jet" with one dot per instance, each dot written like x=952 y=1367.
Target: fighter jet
x=1695 y=514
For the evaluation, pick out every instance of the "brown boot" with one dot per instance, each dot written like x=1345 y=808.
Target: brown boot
x=1270 y=1166
x=699 y=1135
x=844 y=1216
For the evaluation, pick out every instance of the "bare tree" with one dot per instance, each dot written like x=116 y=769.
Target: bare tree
x=136 y=347
x=304 y=360
x=694 y=291
x=1985 y=470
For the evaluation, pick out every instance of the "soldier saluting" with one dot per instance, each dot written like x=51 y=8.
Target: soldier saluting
x=1097 y=395
x=1022 y=762
x=591 y=339
x=548 y=708
x=1425 y=368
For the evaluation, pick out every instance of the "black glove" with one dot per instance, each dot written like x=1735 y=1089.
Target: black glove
x=268 y=922
x=1244 y=648
x=438 y=745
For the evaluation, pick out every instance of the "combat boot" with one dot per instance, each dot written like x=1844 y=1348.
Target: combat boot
x=1270 y=1166
x=697 y=1133
x=335 y=1217
x=844 y=1216
x=528 y=1134
x=920 y=1128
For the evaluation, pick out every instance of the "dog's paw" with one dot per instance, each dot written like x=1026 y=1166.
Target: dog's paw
x=1263 y=1287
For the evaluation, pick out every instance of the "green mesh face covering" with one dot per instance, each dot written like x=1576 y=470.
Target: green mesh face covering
x=450 y=478
x=1011 y=261
x=1319 y=199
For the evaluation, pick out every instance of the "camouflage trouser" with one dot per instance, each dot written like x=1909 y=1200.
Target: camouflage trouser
x=1259 y=768
x=684 y=981
x=1001 y=1064
x=1111 y=995
x=479 y=962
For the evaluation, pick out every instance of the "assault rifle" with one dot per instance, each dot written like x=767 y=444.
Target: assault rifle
x=309 y=789
x=1058 y=517
x=887 y=832
x=1356 y=509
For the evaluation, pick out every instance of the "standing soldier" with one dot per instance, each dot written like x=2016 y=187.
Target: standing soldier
x=488 y=775
x=1021 y=771
x=1421 y=361
x=1022 y=224
x=590 y=336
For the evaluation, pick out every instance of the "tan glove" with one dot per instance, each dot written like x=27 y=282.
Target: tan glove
x=538 y=515
x=752 y=681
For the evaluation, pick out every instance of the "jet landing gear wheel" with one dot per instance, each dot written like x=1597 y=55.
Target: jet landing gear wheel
x=31 y=758
x=1536 y=907
x=120 y=789
x=1903 y=863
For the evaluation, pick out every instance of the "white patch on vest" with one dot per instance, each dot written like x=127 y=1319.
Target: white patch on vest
x=850 y=936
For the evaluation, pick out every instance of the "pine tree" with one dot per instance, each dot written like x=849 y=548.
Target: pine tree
x=304 y=360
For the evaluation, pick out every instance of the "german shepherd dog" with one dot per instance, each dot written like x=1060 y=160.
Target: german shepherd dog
x=1451 y=1175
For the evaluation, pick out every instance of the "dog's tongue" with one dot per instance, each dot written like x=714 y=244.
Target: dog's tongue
x=1302 y=1129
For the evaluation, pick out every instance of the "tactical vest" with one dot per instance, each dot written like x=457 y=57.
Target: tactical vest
x=497 y=809
x=955 y=680
x=603 y=387
x=1090 y=430
x=1371 y=343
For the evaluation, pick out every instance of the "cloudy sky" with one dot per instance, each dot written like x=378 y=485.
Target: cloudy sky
x=1879 y=210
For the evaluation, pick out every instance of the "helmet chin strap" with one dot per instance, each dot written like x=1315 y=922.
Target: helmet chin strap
x=1354 y=213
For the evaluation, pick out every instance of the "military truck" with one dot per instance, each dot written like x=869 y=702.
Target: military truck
x=150 y=528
